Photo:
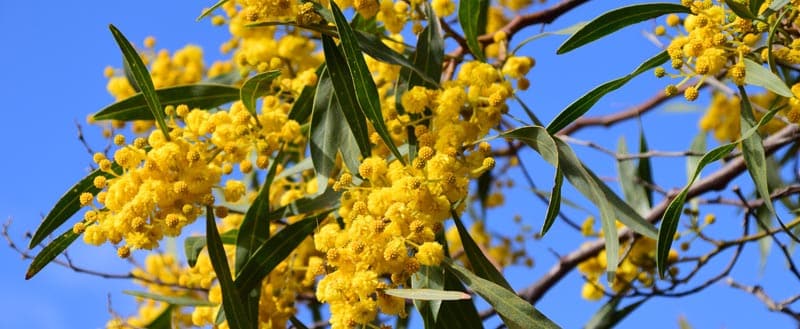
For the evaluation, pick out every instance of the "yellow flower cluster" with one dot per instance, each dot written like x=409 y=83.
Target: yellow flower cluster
x=711 y=41
x=165 y=181
x=723 y=114
x=390 y=220
x=638 y=265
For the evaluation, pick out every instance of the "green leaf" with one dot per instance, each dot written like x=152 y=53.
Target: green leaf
x=201 y=95
x=635 y=194
x=515 y=310
x=255 y=87
x=375 y=48
x=270 y=253
x=255 y=225
x=345 y=94
x=554 y=204
x=755 y=5
x=328 y=131
x=232 y=302
x=361 y=84
x=583 y=104
x=142 y=78
x=616 y=19
x=428 y=277
x=193 y=245
x=427 y=294
x=327 y=200
x=174 y=300
x=210 y=10
x=126 y=69
x=50 y=252
x=609 y=316
x=644 y=169
x=480 y=264
x=163 y=320
x=774 y=6
x=565 y=31
x=457 y=314
x=740 y=9
x=753 y=151
x=297 y=323
x=758 y=75
x=472 y=18
x=68 y=205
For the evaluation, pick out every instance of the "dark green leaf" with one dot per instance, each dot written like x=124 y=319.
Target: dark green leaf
x=303 y=105
x=609 y=316
x=273 y=251
x=255 y=87
x=740 y=9
x=232 y=302
x=68 y=205
x=163 y=320
x=174 y=300
x=457 y=314
x=202 y=96
x=126 y=69
x=428 y=277
x=472 y=18
x=644 y=170
x=361 y=84
x=375 y=48
x=583 y=104
x=516 y=311
x=755 y=5
x=255 y=225
x=345 y=94
x=758 y=75
x=753 y=151
x=328 y=130
x=193 y=245
x=142 y=78
x=50 y=252
x=427 y=294
x=327 y=200
x=554 y=204
x=616 y=19
x=297 y=323
x=210 y=10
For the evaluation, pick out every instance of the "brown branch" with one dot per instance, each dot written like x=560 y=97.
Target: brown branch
x=771 y=304
x=716 y=181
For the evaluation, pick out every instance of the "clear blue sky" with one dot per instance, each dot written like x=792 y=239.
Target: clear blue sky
x=54 y=54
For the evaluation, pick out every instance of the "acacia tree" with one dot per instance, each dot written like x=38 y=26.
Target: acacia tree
x=333 y=156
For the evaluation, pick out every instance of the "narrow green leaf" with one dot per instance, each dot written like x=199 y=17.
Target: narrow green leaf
x=774 y=6
x=472 y=18
x=608 y=316
x=375 y=48
x=345 y=94
x=361 y=84
x=616 y=19
x=740 y=9
x=671 y=217
x=297 y=323
x=255 y=87
x=427 y=294
x=428 y=277
x=328 y=130
x=210 y=10
x=753 y=151
x=565 y=31
x=480 y=264
x=142 y=78
x=515 y=310
x=163 y=320
x=232 y=302
x=68 y=205
x=764 y=216
x=50 y=252
x=554 y=204
x=644 y=169
x=193 y=245
x=126 y=70
x=635 y=194
x=755 y=5
x=174 y=300
x=326 y=201
x=255 y=225
x=203 y=95
x=758 y=75
x=585 y=102
x=270 y=253
x=456 y=314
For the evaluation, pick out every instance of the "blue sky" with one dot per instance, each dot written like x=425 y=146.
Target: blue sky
x=53 y=60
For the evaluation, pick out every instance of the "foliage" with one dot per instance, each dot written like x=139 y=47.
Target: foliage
x=333 y=162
